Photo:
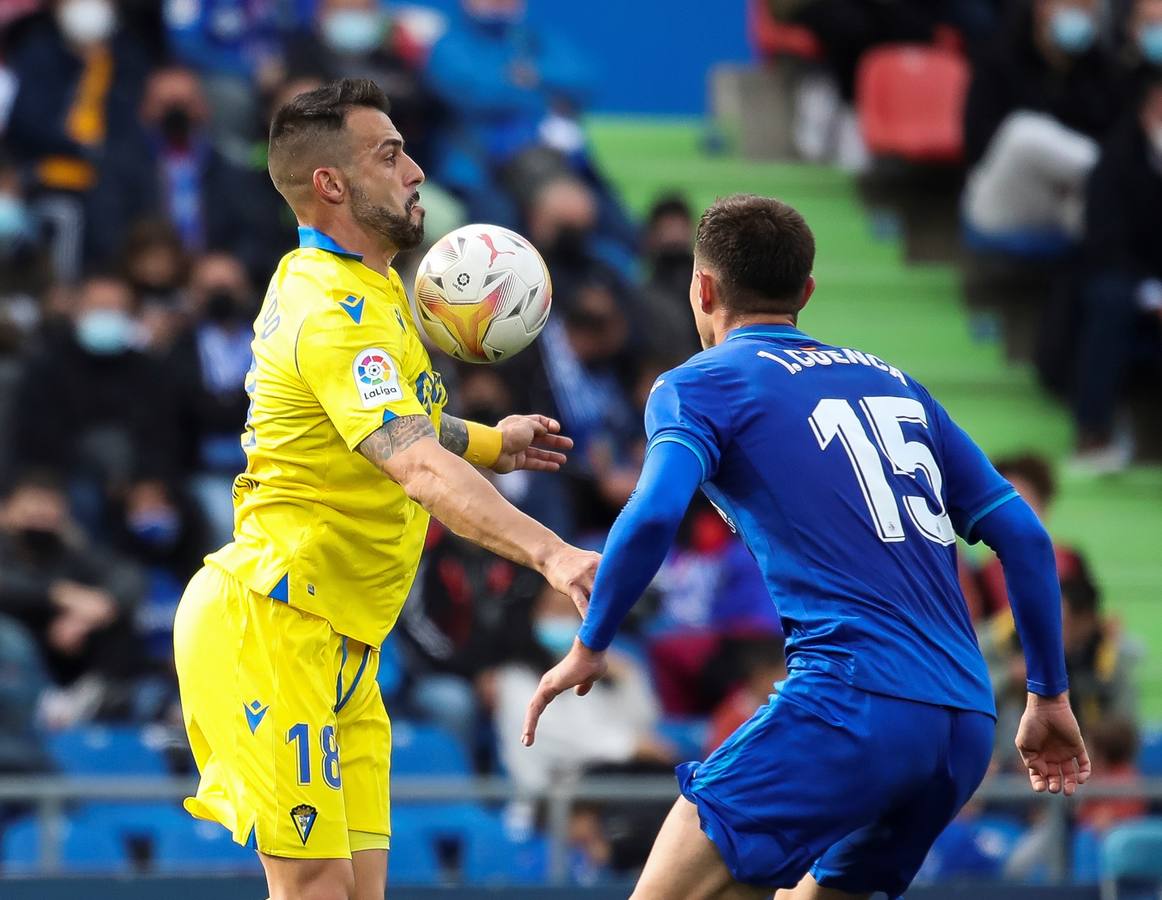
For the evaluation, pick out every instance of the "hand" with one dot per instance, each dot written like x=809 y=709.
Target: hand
x=68 y=632
x=578 y=670
x=531 y=442
x=572 y=571
x=1051 y=747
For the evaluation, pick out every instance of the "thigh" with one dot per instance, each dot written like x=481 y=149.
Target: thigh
x=364 y=742
x=257 y=680
x=886 y=855
x=807 y=769
x=685 y=865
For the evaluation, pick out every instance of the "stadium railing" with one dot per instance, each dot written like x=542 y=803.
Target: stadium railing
x=51 y=795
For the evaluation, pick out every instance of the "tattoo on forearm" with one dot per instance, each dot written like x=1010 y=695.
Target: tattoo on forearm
x=394 y=436
x=454 y=434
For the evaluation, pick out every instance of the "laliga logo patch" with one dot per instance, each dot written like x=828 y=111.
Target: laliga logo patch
x=375 y=377
x=304 y=818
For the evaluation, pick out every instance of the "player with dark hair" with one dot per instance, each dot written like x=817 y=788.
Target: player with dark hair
x=849 y=484
x=277 y=638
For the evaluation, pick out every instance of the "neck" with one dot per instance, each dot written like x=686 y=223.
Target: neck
x=724 y=326
x=377 y=253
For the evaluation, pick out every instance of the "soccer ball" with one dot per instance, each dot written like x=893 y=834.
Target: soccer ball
x=482 y=293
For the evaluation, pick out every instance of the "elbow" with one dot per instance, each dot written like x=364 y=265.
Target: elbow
x=416 y=475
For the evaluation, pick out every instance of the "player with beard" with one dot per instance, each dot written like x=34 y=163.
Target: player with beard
x=277 y=638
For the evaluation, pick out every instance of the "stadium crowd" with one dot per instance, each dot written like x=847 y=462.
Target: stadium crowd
x=137 y=230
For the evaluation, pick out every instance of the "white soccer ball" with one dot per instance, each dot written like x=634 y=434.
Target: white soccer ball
x=482 y=293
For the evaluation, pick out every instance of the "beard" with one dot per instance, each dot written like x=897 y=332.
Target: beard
x=401 y=230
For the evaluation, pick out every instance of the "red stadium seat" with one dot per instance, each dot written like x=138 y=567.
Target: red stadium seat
x=910 y=100
x=771 y=37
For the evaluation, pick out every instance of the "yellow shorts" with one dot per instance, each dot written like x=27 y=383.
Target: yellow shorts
x=286 y=722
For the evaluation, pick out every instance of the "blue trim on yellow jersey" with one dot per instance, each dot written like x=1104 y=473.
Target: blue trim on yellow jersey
x=768 y=330
x=251 y=840
x=355 y=680
x=339 y=676
x=313 y=238
x=388 y=415
x=281 y=591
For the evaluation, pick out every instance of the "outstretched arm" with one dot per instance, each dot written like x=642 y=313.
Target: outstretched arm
x=637 y=545
x=407 y=451
x=1048 y=739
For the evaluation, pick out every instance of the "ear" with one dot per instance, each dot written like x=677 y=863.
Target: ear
x=707 y=291
x=329 y=185
x=808 y=291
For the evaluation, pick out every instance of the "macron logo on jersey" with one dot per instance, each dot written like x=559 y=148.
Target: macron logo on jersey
x=800 y=360
x=353 y=307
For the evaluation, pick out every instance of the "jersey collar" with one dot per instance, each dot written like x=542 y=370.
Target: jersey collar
x=765 y=331
x=312 y=237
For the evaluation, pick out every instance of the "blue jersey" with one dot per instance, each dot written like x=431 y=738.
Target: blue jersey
x=849 y=484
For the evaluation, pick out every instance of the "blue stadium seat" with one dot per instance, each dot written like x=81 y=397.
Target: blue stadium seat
x=105 y=750
x=1086 y=856
x=414 y=858
x=972 y=847
x=687 y=736
x=1131 y=859
x=185 y=844
x=1150 y=756
x=419 y=749
x=493 y=858
x=86 y=846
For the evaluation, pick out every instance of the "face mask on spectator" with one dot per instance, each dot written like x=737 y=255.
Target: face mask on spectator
x=157 y=528
x=176 y=125
x=41 y=543
x=353 y=32
x=1073 y=29
x=569 y=243
x=556 y=633
x=86 y=21
x=222 y=307
x=13 y=219
x=105 y=332
x=1150 y=43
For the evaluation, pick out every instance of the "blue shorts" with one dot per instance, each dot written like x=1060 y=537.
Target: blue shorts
x=850 y=786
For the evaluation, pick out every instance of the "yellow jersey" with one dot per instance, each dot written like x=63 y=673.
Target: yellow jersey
x=316 y=525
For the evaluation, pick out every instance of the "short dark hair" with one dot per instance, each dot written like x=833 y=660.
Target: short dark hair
x=1033 y=468
x=761 y=250
x=314 y=117
x=667 y=205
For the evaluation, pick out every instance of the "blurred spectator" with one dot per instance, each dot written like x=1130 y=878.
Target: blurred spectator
x=1120 y=322
x=74 y=125
x=362 y=39
x=22 y=680
x=454 y=624
x=514 y=92
x=1041 y=98
x=156 y=266
x=1032 y=476
x=92 y=406
x=75 y=601
x=708 y=589
x=561 y=220
x=761 y=664
x=209 y=364
x=24 y=275
x=613 y=724
x=1098 y=656
x=207 y=199
x=1113 y=743
x=238 y=47
x=665 y=297
x=1144 y=33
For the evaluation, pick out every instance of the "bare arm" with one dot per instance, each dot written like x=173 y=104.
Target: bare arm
x=407 y=451
x=453 y=434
